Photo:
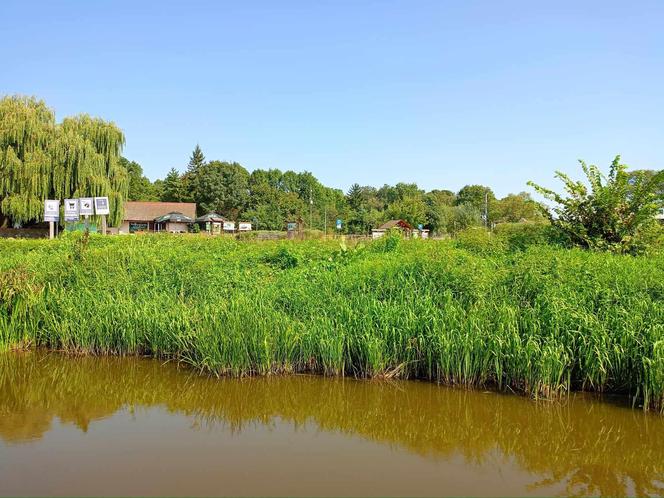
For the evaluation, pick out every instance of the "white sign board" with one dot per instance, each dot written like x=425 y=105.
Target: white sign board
x=244 y=227
x=51 y=210
x=229 y=226
x=71 y=210
x=101 y=206
x=86 y=206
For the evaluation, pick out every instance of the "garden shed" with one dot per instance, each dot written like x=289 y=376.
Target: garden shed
x=211 y=222
x=402 y=225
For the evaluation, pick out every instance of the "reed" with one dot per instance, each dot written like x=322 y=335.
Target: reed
x=541 y=321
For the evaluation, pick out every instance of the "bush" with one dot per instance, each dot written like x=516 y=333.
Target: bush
x=479 y=240
x=282 y=259
x=519 y=236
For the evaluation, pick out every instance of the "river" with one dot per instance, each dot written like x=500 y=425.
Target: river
x=131 y=426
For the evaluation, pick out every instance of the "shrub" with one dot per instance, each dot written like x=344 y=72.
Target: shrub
x=614 y=214
x=519 y=236
x=479 y=240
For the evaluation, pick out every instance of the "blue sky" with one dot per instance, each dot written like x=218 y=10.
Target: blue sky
x=440 y=93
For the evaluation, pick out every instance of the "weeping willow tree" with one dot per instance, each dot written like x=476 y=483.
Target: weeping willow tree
x=41 y=159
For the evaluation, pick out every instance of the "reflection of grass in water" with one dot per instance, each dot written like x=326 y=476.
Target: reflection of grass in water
x=587 y=444
x=540 y=321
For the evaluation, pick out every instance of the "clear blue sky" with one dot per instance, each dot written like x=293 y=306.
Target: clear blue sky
x=440 y=93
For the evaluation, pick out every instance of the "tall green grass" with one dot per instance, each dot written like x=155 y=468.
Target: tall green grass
x=539 y=320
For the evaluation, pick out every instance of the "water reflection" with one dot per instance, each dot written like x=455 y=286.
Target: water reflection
x=583 y=446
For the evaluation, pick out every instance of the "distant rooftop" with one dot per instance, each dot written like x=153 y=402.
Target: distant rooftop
x=174 y=217
x=213 y=217
x=143 y=211
x=396 y=224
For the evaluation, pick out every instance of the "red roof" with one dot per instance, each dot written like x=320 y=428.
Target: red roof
x=396 y=224
x=148 y=211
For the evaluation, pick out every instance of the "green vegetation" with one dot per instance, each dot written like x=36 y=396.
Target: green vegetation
x=40 y=160
x=538 y=319
x=617 y=212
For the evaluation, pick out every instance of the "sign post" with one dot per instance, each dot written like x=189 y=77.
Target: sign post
x=71 y=210
x=86 y=209
x=102 y=209
x=52 y=215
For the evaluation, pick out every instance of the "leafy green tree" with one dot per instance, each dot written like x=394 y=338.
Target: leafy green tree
x=438 y=209
x=479 y=197
x=611 y=212
x=173 y=188
x=365 y=208
x=140 y=187
x=40 y=160
x=463 y=216
x=515 y=208
x=158 y=189
x=221 y=187
x=641 y=175
x=410 y=208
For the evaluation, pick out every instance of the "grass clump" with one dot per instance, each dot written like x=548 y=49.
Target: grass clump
x=541 y=320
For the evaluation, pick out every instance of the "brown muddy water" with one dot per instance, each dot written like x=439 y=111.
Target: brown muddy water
x=127 y=426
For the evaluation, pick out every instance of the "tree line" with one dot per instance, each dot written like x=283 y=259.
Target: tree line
x=270 y=197
x=81 y=156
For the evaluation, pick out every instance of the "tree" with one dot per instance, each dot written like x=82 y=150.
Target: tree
x=140 y=187
x=221 y=187
x=40 y=160
x=462 y=217
x=196 y=161
x=479 y=197
x=612 y=212
x=644 y=175
x=411 y=208
x=173 y=187
x=439 y=209
x=366 y=209
x=189 y=179
x=515 y=208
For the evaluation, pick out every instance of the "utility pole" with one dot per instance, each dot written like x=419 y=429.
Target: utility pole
x=486 y=209
x=311 y=208
x=325 y=222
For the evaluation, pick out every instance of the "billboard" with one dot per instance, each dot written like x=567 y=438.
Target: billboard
x=101 y=205
x=71 y=210
x=86 y=206
x=229 y=226
x=244 y=227
x=51 y=210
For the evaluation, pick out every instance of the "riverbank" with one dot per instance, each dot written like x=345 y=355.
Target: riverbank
x=542 y=321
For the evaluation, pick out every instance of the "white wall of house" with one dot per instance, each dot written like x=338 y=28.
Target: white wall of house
x=177 y=227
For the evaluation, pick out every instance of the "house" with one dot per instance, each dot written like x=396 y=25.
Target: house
x=405 y=227
x=211 y=222
x=157 y=217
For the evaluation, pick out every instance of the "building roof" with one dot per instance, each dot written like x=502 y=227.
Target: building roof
x=214 y=217
x=147 y=211
x=395 y=224
x=174 y=217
